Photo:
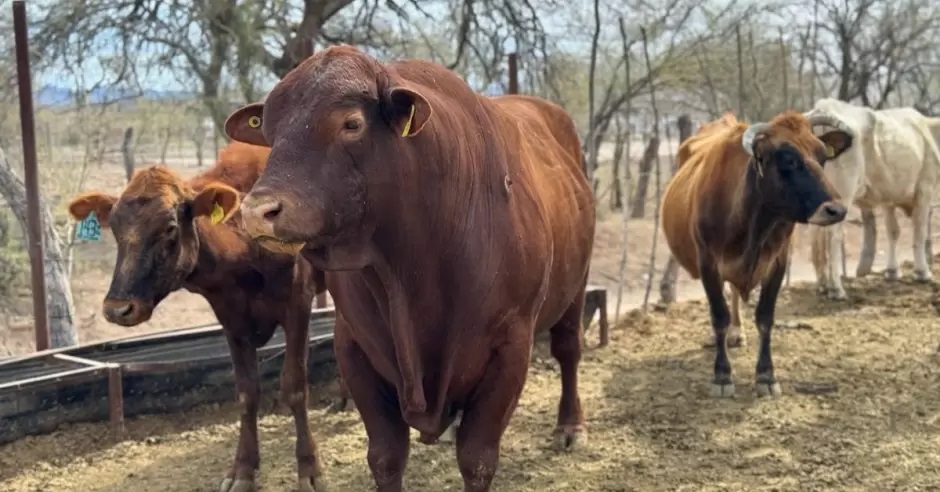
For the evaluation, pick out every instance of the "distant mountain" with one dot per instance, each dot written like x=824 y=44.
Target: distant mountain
x=53 y=95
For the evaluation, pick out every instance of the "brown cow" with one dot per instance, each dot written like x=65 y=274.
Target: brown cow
x=729 y=213
x=452 y=228
x=166 y=242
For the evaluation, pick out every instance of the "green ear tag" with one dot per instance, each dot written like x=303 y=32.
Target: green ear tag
x=217 y=214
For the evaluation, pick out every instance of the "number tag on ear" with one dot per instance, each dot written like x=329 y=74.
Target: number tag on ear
x=217 y=214
x=411 y=117
x=89 y=229
x=830 y=151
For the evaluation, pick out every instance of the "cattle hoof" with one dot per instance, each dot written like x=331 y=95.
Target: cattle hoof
x=922 y=275
x=342 y=405
x=566 y=437
x=722 y=390
x=230 y=484
x=891 y=274
x=862 y=271
x=768 y=389
x=450 y=435
x=732 y=340
x=310 y=484
x=837 y=295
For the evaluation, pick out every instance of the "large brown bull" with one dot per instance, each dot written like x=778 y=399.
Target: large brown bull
x=452 y=227
x=166 y=241
x=729 y=214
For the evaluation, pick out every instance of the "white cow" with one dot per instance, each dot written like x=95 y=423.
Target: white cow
x=893 y=163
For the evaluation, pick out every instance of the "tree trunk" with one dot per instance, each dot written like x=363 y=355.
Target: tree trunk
x=61 y=309
x=165 y=147
x=667 y=285
x=127 y=150
x=616 y=195
x=638 y=209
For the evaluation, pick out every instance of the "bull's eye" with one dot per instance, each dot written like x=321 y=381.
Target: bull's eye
x=170 y=230
x=352 y=125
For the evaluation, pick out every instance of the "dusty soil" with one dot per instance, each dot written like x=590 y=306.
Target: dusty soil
x=860 y=411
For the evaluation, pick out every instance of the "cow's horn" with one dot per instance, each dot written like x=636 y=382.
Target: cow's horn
x=820 y=119
x=747 y=140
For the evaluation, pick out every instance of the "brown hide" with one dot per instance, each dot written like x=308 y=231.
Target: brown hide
x=710 y=185
x=451 y=233
x=167 y=242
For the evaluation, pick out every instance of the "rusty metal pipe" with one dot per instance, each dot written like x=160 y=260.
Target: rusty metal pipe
x=30 y=175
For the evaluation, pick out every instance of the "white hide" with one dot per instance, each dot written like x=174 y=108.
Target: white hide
x=893 y=162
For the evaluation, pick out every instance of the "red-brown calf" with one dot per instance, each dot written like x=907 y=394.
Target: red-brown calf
x=167 y=241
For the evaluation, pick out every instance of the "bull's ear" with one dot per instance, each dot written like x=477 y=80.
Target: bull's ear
x=217 y=201
x=837 y=142
x=93 y=201
x=244 y=125
x=407 y=110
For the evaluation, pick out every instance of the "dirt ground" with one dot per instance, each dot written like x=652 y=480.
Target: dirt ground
x=860 y=411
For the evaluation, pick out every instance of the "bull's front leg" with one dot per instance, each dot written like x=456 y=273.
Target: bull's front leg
x=836 y=233
x=294 y=394
x=487 y=415
x=764 y=317
x=377 y=402
x=869 y=239
x=241 y=476
x=722 y=385
x=920 y=215
x=893 y=268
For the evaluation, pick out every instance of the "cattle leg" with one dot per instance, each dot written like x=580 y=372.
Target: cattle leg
x=566 y=349
x=241 y=476
x=722 y=385
x=920 y=215
x=378 y=406
x=487 y=414
x=836 y=233
x=343 y=403
x=892 y=270
x=764 y=317
x=294 y=394
x=735 y=337
x=819 y=251
x=869 y=239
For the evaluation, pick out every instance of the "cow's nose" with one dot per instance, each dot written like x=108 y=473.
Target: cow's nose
x=260 y=210
x=121 y=311
x=828 y=213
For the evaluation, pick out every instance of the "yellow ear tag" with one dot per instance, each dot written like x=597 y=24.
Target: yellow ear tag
x=254 y=122
x=217 y=214
x=830 y=151
x=407 y=129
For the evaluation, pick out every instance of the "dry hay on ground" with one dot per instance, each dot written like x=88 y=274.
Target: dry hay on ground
x=867 y=418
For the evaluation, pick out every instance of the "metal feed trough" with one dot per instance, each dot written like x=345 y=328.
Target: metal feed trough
x=158 y=373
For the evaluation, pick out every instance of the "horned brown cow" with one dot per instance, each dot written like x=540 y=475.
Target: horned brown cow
x=452 y=228
x=166 y=241
x=729 y=214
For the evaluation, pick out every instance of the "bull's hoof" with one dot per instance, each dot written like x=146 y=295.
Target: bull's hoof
x=923 y=275
x=822 y=290
x=863 y=271
x=568 y=437
x=891 y=274
x=450 y=435
x=311 y=484
x=836 y=294
x=734 y=339
x=722 y=390
x=767 y=385
x=231 y=484
x=342 y=405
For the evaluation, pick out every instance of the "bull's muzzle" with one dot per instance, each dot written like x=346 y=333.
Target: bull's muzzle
x=261 y=212
x=126 y=312
x=828 y=213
